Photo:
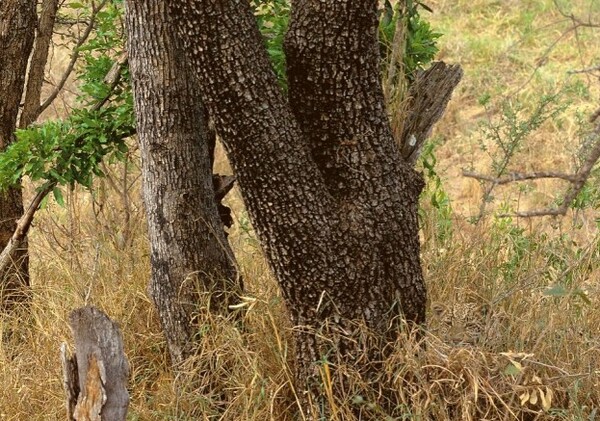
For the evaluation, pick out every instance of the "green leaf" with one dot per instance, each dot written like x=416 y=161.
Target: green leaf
x=557 y=290
x=75 y=5
x=358 y=400
x=512 y=370
x=58 y=196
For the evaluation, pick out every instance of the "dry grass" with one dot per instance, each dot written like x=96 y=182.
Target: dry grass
x=513 y=304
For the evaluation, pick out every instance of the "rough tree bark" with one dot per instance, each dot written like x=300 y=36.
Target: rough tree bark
x=37 y=67
x=17 y=30
x=190 y=254
x=332 y=201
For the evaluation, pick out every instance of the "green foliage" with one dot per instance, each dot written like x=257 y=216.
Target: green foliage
x=273 y=17
x=434 y=193
x=419 y=40
x=69 y=151
x=65 y=152
x=504 y=137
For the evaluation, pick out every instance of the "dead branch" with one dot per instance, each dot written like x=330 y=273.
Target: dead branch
x=515 y=176
x=95 y=377
x=577 y=181
x=428 y=97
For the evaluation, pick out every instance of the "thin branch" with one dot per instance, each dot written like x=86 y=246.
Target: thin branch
x=515 y=176
x=577 y=181
x=587 y=70
x=74 y=57
x=576 y=20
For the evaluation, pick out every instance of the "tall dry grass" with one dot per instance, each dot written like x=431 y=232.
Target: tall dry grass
x=514 y=325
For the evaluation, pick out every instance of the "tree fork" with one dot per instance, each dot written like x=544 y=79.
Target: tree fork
x=332 y=200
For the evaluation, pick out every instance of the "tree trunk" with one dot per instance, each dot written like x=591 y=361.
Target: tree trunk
x=332 y=201
x=17 y=30
x=37 y=66
x=190 y=255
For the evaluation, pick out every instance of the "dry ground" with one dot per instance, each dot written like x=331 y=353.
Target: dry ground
x=514 y=319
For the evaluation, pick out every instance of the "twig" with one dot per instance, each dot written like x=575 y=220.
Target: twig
x=577 y=21
x=577 y=181
x=587 y=70
x=515 y=176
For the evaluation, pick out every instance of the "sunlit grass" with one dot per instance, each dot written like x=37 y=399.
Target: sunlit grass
x=513 y=308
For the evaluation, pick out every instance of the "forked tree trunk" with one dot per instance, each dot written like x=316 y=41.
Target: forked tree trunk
x=190 y=255
x=17 y=30
x=332 y=201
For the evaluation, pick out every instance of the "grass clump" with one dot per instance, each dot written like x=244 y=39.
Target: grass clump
x=514 y=319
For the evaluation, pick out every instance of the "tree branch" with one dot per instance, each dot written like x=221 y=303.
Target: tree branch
x=515 y=176
x=576 y=180
x=6 y=257
x=74 y=57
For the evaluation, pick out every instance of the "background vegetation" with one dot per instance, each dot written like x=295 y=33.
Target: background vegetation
x=514 y=320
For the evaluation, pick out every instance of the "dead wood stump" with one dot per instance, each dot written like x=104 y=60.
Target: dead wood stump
x=95 y=376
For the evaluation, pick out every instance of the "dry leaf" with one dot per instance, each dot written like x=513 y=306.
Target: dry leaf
x=546 y=399
x=524 y=397
x=533 y=398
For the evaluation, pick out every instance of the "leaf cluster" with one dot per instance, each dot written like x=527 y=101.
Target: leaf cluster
x=70 y=151
x=419 y=40
x=66 y=152
x=273 y=17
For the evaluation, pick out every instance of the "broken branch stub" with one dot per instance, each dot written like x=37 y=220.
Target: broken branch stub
x=428 y=97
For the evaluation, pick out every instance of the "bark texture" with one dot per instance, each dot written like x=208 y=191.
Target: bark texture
x=427 y=98
x=37 y=67
x=17 y=30
x=335 y=92
x=95 y=377
x=333 y=202
x=190 y=254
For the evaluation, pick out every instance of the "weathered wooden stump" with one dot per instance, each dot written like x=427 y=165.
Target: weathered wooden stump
x=95 y=376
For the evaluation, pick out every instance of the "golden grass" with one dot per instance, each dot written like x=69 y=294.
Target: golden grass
x=514 y=325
